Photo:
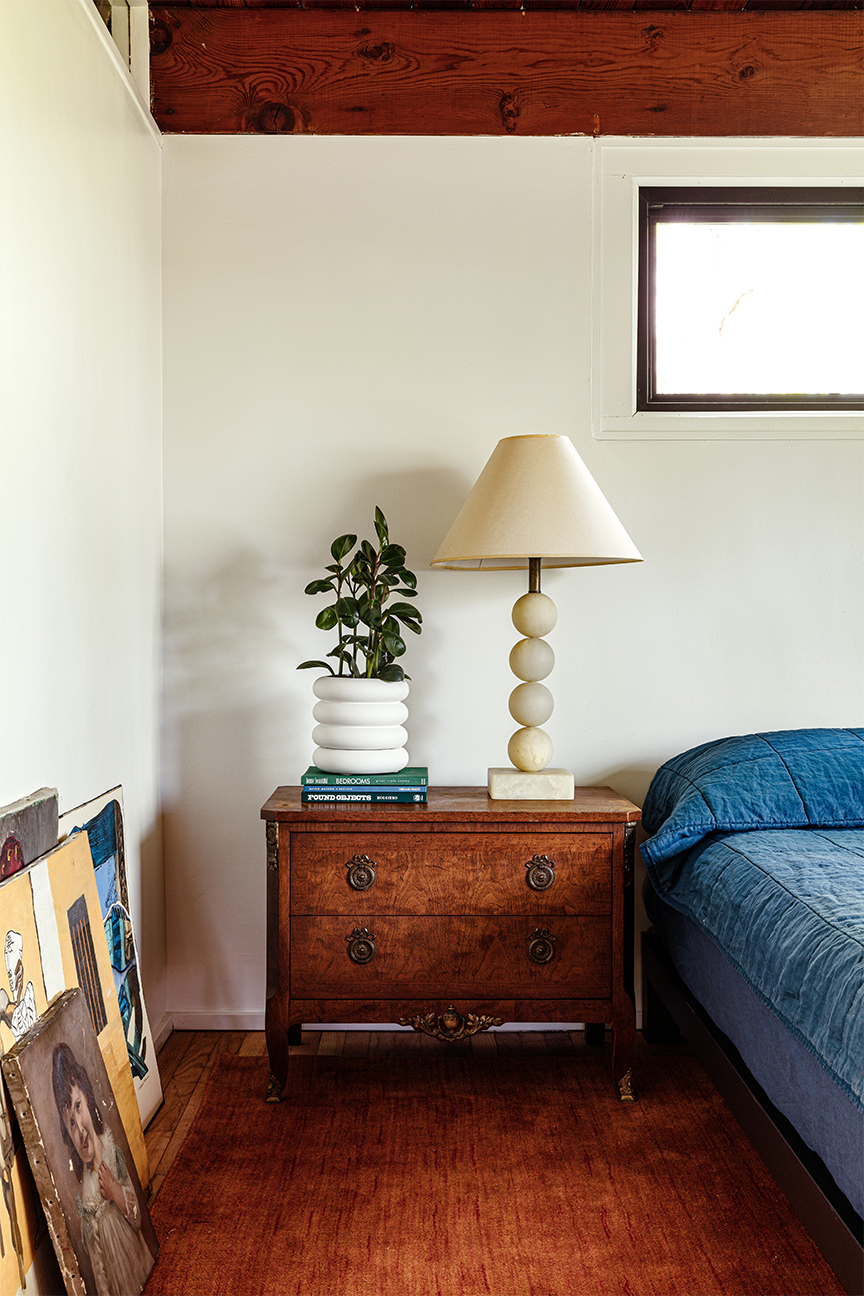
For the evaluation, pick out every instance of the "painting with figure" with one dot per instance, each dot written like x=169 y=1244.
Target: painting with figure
x=28 y=828
x=22 y=999
x=102 y=820
x=79 y=1153
x=53 y=930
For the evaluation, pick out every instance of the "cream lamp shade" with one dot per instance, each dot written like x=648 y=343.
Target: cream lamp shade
x=535 y=499
x=534 y=504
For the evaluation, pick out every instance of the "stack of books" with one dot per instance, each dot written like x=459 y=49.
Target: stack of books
x=409 y=786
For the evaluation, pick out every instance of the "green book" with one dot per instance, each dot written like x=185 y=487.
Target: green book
x=411 y=776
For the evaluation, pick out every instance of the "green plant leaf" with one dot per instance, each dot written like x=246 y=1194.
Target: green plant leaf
x=381 y=527
x=408 y=578
x=394 y=643
x=406 y=593
x=325 y=665
x=327 y=618
x=347 y=611
x=404 y=611
x=343 y=545
x=393 y=555
x=319 y=587
x=392 y=673
x=412 y=625
x=368 y=552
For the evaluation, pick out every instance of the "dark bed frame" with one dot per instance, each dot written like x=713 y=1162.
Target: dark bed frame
x=668 y=1007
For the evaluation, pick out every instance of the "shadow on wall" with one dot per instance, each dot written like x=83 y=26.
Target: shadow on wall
x=631 y=781
x=228 y=649
x=237 y=718
x=420 y=506
x=215 y=872
x=152 y=932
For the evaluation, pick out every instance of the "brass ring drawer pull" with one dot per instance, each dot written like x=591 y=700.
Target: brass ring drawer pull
x=361 y=945
x=361 y=872
x=541 y=873
x=541 y=945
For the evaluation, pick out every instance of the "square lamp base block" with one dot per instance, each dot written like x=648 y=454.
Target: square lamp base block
x=508 y=784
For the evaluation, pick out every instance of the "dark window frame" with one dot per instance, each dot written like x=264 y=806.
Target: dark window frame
x=728 y=205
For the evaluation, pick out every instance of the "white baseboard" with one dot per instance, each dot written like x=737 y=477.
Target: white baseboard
x=163 y=1030
x=218 y=1021
x=254 y=1021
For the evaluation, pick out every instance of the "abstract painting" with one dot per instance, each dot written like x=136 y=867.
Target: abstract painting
x=102 y=820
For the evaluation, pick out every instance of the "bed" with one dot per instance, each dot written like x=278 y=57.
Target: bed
x=755 y=887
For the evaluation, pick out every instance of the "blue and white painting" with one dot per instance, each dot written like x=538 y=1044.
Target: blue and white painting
x=102 y=820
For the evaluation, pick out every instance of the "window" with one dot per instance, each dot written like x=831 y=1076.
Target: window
x=750 y=299
x=623 y=168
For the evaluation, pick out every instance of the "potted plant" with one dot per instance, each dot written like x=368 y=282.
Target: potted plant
x=361 y=698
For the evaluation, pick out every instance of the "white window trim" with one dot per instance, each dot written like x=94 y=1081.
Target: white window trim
x=621 y=166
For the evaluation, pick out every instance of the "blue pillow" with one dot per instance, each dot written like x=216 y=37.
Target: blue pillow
x=798 y=778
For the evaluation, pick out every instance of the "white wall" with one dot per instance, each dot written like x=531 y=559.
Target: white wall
x=80 y=434
x=351 y=322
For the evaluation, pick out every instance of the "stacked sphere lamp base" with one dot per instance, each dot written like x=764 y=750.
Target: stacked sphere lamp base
x=530 y=748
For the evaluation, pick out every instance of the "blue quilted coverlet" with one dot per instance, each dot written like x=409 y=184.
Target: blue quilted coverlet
x=760 y=840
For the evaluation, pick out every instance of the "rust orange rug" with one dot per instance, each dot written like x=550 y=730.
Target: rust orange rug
x=462 y=1176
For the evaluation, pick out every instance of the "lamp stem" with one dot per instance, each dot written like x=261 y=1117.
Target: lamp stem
x=534 y=575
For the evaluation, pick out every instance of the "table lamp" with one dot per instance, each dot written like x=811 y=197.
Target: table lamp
x=534 y=504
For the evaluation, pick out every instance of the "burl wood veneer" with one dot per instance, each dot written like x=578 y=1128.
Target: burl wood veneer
x=451 y=916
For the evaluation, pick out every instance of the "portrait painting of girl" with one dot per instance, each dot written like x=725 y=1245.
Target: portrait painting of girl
x=107 y=1203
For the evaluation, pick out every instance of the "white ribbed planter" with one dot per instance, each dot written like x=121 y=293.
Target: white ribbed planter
x=359 y=729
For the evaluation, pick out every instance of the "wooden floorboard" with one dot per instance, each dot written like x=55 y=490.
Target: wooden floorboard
x=187 y=1058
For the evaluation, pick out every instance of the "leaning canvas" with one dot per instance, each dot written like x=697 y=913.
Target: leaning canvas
x=79 y=1153
x=102 y=820
x=53 y=939
x=28 y=828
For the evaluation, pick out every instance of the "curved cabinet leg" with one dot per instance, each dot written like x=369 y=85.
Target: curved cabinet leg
x=276 y=1031
x=622 y=1058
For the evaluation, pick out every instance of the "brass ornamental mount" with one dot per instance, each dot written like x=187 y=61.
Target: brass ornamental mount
x=450 y=1025
x=541 y=873
x=273 y=846
x=361 y=872
x=541 y=945
x=361 y=945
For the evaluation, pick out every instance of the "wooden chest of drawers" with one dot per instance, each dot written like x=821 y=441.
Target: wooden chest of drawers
x=450 y=916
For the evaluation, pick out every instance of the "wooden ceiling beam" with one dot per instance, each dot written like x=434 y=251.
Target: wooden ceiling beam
x=397 y=71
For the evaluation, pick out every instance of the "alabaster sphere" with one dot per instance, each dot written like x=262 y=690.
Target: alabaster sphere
x=530 y=749
x=531 y=703
x=534 y=614
x=531 y=659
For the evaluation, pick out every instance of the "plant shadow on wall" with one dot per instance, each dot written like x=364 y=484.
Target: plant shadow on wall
x=227 y=715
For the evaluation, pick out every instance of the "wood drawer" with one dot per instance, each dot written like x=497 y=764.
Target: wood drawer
x=451 y=957
x=451 y=873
